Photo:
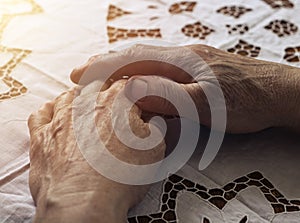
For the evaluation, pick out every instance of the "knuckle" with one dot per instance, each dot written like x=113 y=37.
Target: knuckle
x=30 y=119
x=135 y=48
x=139 y=46
x=92 y=58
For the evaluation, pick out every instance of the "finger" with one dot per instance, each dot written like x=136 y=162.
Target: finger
x=139 y=59
x=40 y=118
x=77 y=72
x=139 y=87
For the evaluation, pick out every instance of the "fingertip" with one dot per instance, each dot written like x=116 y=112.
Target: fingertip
x=136 y=88
x=157 y=105
x=142 y=90
x=75 y=75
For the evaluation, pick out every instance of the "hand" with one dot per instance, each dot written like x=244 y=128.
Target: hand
x=258 y=94
x=64 y=186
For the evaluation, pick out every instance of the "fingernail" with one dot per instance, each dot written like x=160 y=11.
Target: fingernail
x=138 y=89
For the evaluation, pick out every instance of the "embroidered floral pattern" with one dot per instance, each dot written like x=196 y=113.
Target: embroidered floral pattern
x=279 y=3
x=218 y=197
x=292 y=54
x=243 y=220
x=15 y=88
x=115 y=12
x=245 y=49
x=182 y=7
x=234 y=11
x=197 y=30
x=237 y=29
x=282 y=28
x=116 y=34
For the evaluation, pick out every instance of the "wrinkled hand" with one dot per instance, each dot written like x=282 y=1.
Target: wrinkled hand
x=258 y=94
x=64 y=186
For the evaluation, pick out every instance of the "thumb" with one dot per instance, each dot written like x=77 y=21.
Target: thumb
x=164 y=96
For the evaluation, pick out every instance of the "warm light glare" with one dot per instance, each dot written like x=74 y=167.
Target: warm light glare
x=14 y=6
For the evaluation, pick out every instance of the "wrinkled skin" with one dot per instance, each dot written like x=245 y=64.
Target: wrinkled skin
x=258 y=94
x=64 y=186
